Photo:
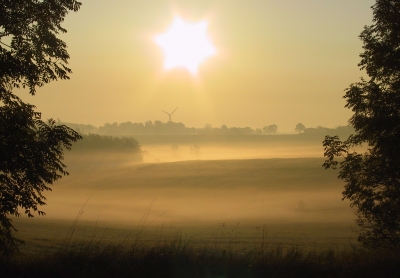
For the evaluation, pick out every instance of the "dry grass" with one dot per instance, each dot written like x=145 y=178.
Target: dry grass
x=174 y=255
x=226 y=218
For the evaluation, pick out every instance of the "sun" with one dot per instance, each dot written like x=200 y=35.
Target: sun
x=185 y=45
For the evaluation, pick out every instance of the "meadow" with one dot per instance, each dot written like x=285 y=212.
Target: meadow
x=195 y=209
x=295 y=200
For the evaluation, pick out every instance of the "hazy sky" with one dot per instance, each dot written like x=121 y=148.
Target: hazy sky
x=277 y=62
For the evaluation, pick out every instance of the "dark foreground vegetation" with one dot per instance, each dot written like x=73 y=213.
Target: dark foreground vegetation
x=178 y=259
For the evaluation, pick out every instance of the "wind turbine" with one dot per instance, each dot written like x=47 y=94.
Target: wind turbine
x=170 y=114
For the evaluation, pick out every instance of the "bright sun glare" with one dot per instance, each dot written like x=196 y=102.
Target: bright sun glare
x=185 y=45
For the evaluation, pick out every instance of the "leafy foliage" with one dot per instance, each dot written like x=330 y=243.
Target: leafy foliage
x=372 y=179
x=31 y=150
x=35 y=55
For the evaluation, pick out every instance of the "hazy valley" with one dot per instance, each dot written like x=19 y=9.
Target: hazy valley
x=234 y=187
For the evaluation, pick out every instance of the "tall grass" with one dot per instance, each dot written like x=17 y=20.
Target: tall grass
x=177 y=256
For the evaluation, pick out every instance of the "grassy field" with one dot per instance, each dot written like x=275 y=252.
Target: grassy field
x=295 y=201
x=176 y=258
x=217 y=213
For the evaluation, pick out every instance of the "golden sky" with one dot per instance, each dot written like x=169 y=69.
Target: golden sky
x=276 y=62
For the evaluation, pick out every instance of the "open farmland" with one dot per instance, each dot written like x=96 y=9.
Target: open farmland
x=282 y=201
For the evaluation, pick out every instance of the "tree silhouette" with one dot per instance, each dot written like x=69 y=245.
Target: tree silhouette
x=271 y=129
x=31 y=151
x=372 y=179
x=300 y=128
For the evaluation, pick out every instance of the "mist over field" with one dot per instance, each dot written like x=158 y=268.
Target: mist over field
x=223 y=148
x=242 y=183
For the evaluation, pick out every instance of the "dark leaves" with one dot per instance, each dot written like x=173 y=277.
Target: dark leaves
x=333 y=147
x=31 y=151
x=372 y=179
x=35 y=56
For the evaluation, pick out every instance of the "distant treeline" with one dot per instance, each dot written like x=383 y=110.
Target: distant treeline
x=172 y=128
x=169 y=128
x=95 y=142
x=340 y=130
